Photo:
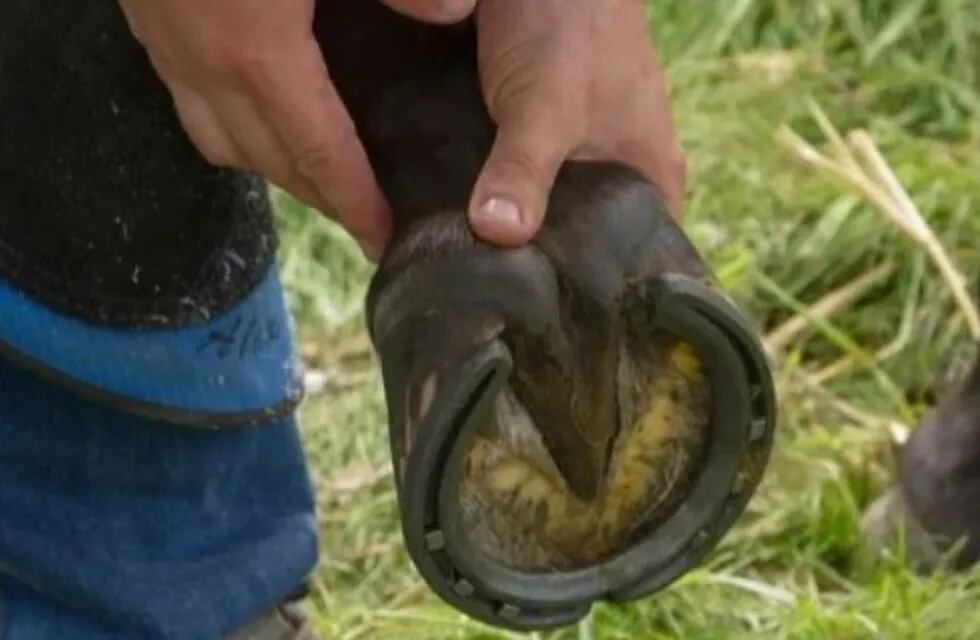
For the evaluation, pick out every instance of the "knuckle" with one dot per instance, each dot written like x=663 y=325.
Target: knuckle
x=243 y=68
x=314 y=162
x=521 y=163
x=318 y=160
x=216 y=59
x=514 y=72
x=229 y=63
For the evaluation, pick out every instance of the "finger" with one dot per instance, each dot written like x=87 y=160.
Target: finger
x=135 y=26
x=300 y=101
x=664 y=163
x=204 y=127
x=658 y=156
x=530 y=67
x=667 y=169
x=260 y=147
x=511 y=195
x=253 y=146
x=229 y=132
x=436 y=11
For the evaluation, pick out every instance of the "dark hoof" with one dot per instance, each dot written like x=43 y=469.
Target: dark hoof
x=888 y=524
x=937 y=505
x=584 y=412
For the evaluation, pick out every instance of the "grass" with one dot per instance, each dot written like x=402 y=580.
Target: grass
x=779 y=237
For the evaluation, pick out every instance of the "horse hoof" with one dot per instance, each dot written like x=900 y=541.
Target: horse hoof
x=580 y=419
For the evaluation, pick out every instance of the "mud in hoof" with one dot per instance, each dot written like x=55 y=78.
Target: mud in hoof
x=519 y=508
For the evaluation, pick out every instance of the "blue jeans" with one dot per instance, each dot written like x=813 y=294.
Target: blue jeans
x=116 y=527
x=119 y=526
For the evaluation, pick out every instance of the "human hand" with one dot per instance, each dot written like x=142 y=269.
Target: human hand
x=253 y=91
x=567 y=79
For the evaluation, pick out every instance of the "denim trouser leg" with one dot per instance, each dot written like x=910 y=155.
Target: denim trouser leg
x=112 y=526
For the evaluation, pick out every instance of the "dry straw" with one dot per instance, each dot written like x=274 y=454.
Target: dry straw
x=857 y=162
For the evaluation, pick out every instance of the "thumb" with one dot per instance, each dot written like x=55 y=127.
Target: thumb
x=511 y=195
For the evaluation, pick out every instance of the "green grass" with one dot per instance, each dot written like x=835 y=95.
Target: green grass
x=778 y=237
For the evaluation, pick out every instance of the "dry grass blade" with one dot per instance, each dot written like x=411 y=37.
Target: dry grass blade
x=355 y=477
x=879 y=185
x=842 y=151
x=926 y=237
x=855 y=180
x=834 y=302
x=418 y=590
x=757 y=587
x=848 y=363
x=896 y=429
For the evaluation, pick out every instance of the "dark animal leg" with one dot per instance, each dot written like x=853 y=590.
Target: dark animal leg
x=938 y=497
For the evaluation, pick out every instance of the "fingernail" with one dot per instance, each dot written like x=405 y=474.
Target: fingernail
x=501 y=210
